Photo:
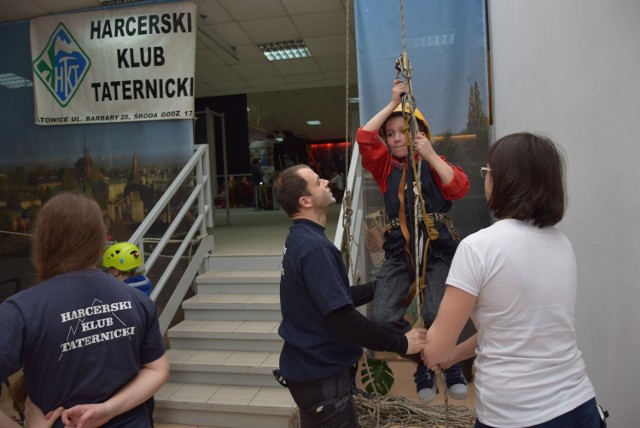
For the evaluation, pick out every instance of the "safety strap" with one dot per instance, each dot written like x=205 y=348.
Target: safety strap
x=431 y=231
x=401 y=210
x=419 y=278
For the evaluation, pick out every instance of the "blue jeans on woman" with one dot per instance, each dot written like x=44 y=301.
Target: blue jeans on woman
x=585 y=415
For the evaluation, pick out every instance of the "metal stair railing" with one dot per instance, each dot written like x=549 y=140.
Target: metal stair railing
x=349 y=237
x=200 y=231
x=349 y=240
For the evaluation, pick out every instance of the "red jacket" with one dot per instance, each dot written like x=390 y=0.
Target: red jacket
x=377 y=159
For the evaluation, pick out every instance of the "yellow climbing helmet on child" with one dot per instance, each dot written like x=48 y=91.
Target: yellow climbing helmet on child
x=123 y=256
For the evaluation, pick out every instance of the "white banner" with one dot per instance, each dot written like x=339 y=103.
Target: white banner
x=116 y=65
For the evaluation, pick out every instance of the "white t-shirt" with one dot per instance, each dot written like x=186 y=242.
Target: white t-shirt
x=529 y=369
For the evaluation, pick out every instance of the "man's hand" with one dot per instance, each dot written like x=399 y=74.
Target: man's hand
x=86 y=416
x=415 y=338
x=34 y=418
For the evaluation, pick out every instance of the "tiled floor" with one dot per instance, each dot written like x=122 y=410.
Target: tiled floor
x=253 y=232
x=403 y=387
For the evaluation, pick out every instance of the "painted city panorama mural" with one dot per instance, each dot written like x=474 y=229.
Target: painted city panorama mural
x=124 y=160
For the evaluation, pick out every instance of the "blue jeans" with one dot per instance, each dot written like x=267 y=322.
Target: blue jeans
x=392 y=287
x=585 y=415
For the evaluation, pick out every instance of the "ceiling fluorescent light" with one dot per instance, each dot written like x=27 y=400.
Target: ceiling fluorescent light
x=313 y=122
x=13 y=81
x=287 y=49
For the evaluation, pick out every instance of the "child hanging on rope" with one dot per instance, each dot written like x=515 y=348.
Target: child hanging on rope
x=441 y=183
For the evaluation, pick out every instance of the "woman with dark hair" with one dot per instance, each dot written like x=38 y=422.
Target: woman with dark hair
x=86 y=342
x=517 y=280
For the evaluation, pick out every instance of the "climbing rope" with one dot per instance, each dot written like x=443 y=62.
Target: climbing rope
x=8 y=232
x=410 y=129
x=346 y=78
x=374 y=412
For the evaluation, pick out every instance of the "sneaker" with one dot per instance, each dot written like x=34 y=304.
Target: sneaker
x=456 y=383
x=425 y=385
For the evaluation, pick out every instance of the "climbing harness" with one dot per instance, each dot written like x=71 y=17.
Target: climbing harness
x=410 y=129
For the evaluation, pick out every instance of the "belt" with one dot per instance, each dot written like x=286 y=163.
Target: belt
x=437 y=217
x=394 y=223
x=441 y=217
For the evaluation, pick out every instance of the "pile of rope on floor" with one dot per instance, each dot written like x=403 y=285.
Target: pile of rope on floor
x=400 y=412
x=387 y=412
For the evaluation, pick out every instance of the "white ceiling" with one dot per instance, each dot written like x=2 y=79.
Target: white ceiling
x=281 y=95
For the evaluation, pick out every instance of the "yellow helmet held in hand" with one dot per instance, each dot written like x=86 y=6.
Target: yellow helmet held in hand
x=123 y=256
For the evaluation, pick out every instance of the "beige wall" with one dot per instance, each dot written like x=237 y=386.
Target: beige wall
x=571 y=69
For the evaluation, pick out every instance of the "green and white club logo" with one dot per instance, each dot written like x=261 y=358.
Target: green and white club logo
x=62 y=65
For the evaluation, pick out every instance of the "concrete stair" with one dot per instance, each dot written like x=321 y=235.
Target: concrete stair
x=223 y=354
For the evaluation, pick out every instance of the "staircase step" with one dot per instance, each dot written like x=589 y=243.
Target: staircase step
x=223 y=354
x=229 y=307
x=226 y=335
x=239 y=282
x=224 y=406
x=249 y=368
